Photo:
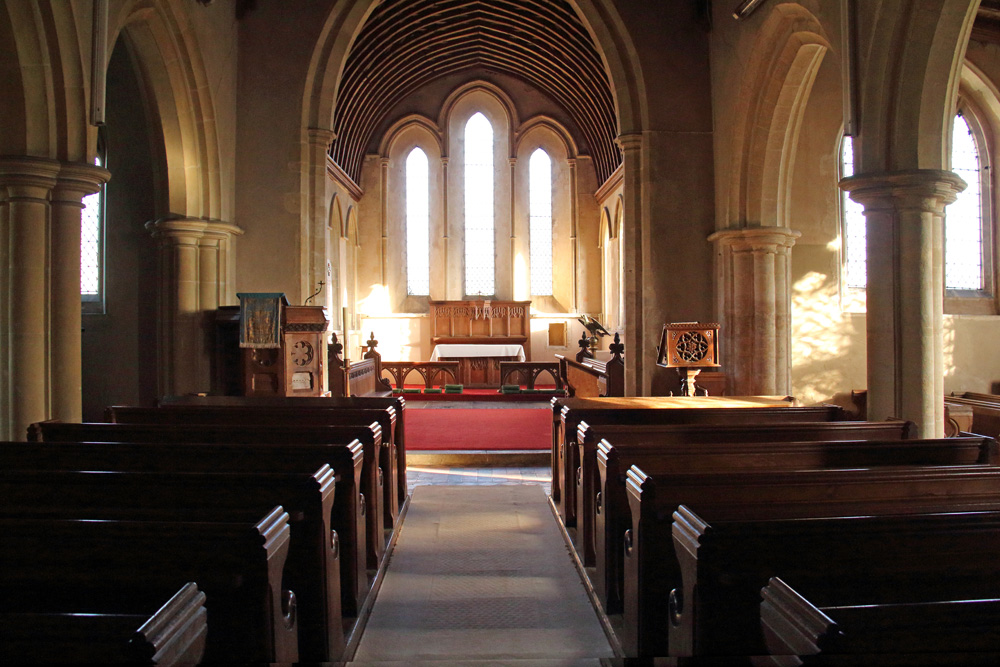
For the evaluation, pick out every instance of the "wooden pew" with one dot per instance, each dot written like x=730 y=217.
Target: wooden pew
x=953 y=632
x=239 y=566
x=398 y=403
x=985 y=411
x=652 y=570
x=876 y=558
x=661 y=410
x=586 y=477
x=590 y=378
x=774 y=446
x=346 y=517
x=313 y=567
x=279 y=415
x=288 y=436
x=174 y=634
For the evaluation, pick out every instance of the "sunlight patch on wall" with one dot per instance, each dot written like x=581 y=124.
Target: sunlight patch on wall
x=824 y=350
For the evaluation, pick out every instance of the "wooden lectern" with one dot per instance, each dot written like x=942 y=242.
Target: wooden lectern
x=283 y=347
x=690 y=347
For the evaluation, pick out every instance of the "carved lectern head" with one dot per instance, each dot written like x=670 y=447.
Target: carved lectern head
x=689 y=345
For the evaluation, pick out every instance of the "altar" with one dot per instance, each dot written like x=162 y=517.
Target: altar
x=479 y=334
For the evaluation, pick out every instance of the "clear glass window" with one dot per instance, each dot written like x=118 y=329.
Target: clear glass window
x=540 y=215
x=479 y=253
x=855 y=226
x=963 y=227
x=417 y=224
x=92 y=245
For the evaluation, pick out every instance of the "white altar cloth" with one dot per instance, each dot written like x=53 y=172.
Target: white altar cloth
x=458 y=350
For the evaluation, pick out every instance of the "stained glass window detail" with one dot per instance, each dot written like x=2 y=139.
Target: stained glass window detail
x=479 y=255
x=91 y=243
x=855 y=226
x=417 y=224
x=963 y=227
x=540 y=216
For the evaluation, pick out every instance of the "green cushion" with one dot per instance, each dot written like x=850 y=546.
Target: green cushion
x=432 y=390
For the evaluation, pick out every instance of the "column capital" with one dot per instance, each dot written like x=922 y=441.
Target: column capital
x=756 y=238
x=32 y=176
x=629 y=142
x=77 y=180
x=176 y=230
x=926 y=189
x=320 y=136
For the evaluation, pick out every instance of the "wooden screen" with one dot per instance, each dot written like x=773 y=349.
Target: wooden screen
x=480 y=321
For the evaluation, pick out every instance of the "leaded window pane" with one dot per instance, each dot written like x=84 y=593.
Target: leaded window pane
x=417 y=224
x=91 y=233
x=540 y=215
x=855 y=226
x=964 y=218
x=479 y=254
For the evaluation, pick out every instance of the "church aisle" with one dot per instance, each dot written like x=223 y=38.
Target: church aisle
x=481 y=573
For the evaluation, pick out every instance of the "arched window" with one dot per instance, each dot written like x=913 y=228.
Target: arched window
x=417 y=224
x=964 y=218
x=540 y=214
x=855 y=227
x=479 y=255
x=92 y=243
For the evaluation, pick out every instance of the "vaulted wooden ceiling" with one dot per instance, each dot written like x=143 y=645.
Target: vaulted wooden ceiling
x=407 y=44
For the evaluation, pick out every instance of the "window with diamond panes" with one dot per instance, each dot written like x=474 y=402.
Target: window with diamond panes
x=92 y=244
x=855 y=226
x=417 y=224
x=963 y=228
x=540 y=214
x=479 y=260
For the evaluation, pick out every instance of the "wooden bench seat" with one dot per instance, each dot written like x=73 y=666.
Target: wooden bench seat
x=952 y=632
x=720 y=449
x=239 y=566
x=288 y=436
x=312 y=571
x=346 y=460
x=398 y=403
x=985 y=412
x=173 y=634
x=874 y=558
x=569 y=412
x=772 y=427
x=652 y=569
x=282 y=415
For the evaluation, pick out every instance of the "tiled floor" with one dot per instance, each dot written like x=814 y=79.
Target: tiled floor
x=422 y=475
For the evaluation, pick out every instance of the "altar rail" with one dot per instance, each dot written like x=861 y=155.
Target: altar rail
x=429 y=371
x=511 y=372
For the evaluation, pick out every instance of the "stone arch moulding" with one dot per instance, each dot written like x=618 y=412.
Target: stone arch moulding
x=537 y=124
x=780 y=71
x=406 y=125
x=337 y=221
x=605 y=235
x=452 y=102
x=176 y=83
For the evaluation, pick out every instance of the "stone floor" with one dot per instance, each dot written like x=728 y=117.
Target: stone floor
x=478 y=476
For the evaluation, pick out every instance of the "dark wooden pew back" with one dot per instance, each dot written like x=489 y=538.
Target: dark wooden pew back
x=652 y=570
x=599 y=532
x=874 y=559
x=174 y=634
x=281 y=415
x=346 y=517
x=953 y=632
x=240 y=567
x=289 y=436
x=664 y=411
x=313 y=567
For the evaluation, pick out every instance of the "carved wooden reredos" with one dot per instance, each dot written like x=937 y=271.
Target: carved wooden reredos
x=481 y=321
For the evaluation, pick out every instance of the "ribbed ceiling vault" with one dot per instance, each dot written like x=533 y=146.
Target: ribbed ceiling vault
x=407 y=44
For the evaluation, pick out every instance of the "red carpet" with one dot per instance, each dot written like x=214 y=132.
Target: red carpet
x=461 y=428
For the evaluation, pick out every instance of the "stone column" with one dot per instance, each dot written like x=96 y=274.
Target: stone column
x=905 y=243
x=75 y=182
x=753 y=268
x=193 y=270
x=26 y=187
x=637 y=357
